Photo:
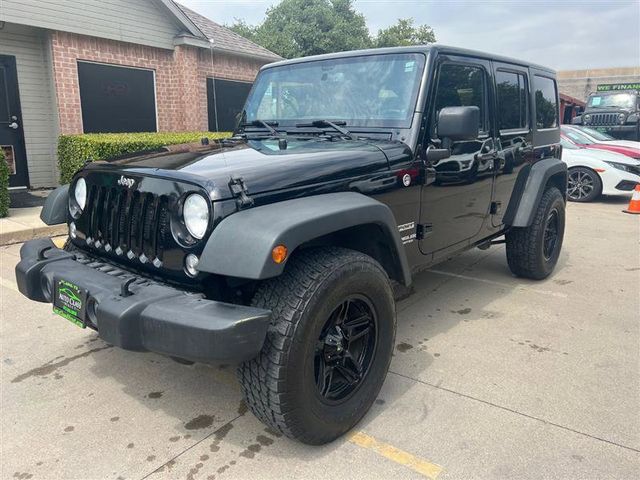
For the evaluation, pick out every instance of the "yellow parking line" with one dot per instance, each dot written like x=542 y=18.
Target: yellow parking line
x=59 y=241
x=423 y=467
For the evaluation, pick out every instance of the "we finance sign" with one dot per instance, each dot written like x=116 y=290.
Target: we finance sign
x=608 y=87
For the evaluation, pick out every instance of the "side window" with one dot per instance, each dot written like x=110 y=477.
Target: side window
x=546 y=104
x=513 y=112
x=462 y=86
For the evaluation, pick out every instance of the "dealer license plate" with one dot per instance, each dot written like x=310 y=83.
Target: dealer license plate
x=70 y=301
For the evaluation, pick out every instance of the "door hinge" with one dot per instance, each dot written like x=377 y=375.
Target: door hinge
x=423 y=230
x=496 y=208
x=240 y=193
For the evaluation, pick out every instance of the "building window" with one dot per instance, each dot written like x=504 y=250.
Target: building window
x=116 y=99
x=546 y=102
x=225 y=103
x=512 y=100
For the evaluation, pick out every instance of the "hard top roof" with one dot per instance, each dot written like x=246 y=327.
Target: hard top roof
x=444 y=49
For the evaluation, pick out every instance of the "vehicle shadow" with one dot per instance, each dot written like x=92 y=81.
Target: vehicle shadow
x=614 y=199
x=442 y=300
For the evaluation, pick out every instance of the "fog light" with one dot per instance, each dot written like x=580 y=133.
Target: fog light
x=191 y=265
x=73 y=233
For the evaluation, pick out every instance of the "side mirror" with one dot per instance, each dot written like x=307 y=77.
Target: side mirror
x=459 y=123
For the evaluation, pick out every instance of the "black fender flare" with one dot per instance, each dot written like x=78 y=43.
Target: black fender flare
x=56 y=206
x=241 y=244
x=529 y=191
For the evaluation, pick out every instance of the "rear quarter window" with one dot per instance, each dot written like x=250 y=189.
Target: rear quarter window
x=546 y=96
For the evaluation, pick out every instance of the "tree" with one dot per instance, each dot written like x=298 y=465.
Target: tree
x=297 y=28
x=404 y=33
x=244 y=29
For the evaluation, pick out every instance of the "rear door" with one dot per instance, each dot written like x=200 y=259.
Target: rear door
x=514 y=132
x=456 y=199
x=11 y=133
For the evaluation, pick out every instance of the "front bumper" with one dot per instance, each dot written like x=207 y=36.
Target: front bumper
x=618 y=182
x=146 y=315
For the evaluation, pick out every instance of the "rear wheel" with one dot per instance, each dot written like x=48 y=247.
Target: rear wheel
x=533 y=251
x=583 y=185
x=328 y=347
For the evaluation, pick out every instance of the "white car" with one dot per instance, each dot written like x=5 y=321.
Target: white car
x=600 y=137
x=596 y=172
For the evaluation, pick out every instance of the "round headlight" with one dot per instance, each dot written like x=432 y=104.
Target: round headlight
x=587 y=118
x=80 y=193
x=621 y=118
x=196 y=215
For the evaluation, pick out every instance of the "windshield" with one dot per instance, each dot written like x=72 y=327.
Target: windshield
x=615 y=100
x=567 y=144
x=599 y=136
x=368 y=91
x=576 y=137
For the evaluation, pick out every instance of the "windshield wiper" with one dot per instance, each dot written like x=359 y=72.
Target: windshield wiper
x=335 y=125
x=261 y=123
x=282 y=140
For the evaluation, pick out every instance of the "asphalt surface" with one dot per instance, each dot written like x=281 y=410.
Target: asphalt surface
x=492 y=377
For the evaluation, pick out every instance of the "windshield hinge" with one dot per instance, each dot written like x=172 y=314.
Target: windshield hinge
x=239 y=192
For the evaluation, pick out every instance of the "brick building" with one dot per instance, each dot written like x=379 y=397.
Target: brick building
x=83 y=66
x=580 y=83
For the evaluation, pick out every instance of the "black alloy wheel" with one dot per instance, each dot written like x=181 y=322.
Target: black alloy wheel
x=345 y=349
x=550 y=234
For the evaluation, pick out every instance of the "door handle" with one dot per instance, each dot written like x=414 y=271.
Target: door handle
x=14 y=125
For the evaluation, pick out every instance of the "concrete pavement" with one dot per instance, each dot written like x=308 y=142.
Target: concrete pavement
x=493 y=377
x=23 y=224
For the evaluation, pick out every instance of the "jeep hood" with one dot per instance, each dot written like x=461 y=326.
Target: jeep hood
x=265 y=167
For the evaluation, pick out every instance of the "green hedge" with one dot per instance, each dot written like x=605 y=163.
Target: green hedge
x=4 y=186
x=74 y=150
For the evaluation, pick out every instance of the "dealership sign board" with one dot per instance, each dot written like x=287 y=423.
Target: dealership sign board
x=607 y=87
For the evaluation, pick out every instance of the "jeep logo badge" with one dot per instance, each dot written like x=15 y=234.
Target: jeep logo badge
x=126 y=182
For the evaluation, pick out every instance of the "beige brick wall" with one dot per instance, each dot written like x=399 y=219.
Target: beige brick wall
x=580 y=83
x=180 y=75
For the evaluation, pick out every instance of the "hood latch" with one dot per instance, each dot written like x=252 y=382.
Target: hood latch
x=240 y=192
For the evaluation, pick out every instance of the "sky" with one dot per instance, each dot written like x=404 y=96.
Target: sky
x=562 y=34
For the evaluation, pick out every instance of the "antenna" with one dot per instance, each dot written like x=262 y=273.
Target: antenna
x=213 y=81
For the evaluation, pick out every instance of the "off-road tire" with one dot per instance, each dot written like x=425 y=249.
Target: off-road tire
x=279 y=384
x=525 y=245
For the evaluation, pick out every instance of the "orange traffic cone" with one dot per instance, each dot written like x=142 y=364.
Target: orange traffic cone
x=634 y=204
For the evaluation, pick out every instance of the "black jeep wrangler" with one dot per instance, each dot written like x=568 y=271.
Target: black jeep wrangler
x=613 y=109
x=280 y=248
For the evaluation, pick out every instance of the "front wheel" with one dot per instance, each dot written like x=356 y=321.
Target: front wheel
x=583 y=185
x=533 y=251
x=328 y=347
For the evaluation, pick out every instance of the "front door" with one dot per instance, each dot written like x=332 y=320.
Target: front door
x=11 y=133
x=456 y=197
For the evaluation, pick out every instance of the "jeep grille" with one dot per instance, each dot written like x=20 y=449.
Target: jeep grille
x=604 y=119
x=124 y=220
